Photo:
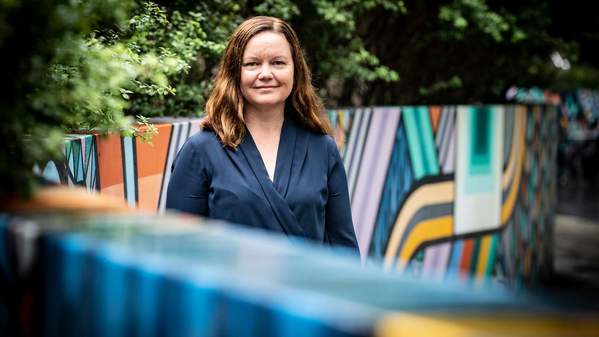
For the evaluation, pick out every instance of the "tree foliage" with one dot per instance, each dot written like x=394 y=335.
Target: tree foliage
x=468 y=51
x=195 y=33
x=52 y=77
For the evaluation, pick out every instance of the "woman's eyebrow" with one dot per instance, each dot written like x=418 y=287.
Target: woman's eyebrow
x=257 y=58
x=250 y=57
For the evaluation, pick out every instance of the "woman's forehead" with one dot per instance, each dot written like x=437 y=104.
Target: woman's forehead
x=267 y=43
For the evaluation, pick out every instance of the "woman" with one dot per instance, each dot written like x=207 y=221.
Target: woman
x=263 y=157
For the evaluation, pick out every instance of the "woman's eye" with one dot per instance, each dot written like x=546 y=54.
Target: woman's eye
x=279 y=63
x=250 y=64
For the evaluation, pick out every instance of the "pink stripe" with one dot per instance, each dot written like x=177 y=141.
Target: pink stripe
x=372 y=173
x=444 y=250
x=449 y=166
x=430 y=262
x=435 y=261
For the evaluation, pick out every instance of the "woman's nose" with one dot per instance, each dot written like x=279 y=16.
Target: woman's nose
x=265 y=72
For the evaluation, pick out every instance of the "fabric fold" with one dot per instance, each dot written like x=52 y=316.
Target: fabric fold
x=274 y=192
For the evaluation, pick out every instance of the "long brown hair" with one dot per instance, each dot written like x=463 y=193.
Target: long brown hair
x=224 y=108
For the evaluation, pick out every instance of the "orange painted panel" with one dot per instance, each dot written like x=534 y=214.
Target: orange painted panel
x=150 y=166
x=114 y=190
x=110 y=164
x=151 y=157
x=435 y=113
x=149 y=192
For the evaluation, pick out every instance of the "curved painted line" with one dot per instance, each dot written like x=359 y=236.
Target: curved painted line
x=426 y=213
x=424 y=231
x=515 y=168
x=508 y=134
x=423 y=197
x=436 y=193
x=446 y=140
x=370 y=182
x=508 y=206
x=508 y=174
x=357 y=150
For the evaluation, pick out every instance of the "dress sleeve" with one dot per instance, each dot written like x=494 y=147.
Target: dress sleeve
x=339 y=228
x=188 y=187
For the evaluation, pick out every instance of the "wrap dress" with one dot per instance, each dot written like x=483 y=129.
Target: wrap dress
x=308 y=197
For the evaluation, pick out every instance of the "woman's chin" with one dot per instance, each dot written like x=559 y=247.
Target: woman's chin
x=267 y=103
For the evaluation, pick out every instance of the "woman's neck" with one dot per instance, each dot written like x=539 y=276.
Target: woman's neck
x=264 y=120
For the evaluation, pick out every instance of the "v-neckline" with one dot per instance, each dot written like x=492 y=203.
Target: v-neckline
x=284 y=155
x=275 y=192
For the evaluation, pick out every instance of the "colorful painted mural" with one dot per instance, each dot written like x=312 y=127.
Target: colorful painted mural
x=455 y=190
x=124 y=166
x=463 y=190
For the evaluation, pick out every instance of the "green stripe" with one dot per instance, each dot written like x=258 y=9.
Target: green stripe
x=88 y=150
x=67 y=149
x=421 y=144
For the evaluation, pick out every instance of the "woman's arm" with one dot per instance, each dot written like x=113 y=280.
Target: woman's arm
x=188 y=187
x=339 y=228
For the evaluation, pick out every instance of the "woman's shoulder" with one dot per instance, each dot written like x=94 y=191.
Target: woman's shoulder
x=204 y=143
x=205 y=138
x=323 y=140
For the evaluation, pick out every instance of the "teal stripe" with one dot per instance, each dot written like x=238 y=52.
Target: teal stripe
x=129 y=170
x=78 y=153
x=421 y=143
x=481 y=140
x=75 y=157
x=88 y=152
x=51 y=173
x=67 y=149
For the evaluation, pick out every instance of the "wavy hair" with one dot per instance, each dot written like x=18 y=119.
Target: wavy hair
x=224 y=108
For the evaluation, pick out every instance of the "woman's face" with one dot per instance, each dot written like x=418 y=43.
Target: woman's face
x=267 y=70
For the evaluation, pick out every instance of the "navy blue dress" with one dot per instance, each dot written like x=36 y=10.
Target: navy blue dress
x=308 y=197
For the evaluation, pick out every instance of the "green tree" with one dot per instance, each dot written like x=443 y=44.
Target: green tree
x=58 y=76
x=468 y=51
x=95 y=64
x=196 y=32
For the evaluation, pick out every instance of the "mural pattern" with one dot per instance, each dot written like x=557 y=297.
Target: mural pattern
x=435 y=191
x=124 y=166
x=454 y=191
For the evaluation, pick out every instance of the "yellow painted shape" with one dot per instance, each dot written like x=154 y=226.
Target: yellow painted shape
x=508 y=206
x=491 y=325
x=341 y=117
x=426 y=230
x=431 y=194
x=425 y=195
x=483 y=256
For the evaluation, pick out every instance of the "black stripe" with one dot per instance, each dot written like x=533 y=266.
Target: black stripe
x=168 y=148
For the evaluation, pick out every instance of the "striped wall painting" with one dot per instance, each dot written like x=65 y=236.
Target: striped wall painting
x=436 y=191
x=467 y=191
x=124 y=166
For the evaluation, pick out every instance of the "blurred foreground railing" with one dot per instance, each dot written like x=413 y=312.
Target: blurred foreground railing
x=137 y=275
